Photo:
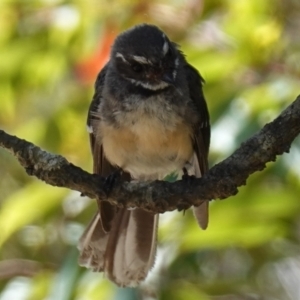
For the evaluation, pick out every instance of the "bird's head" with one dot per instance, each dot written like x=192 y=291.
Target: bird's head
x=145 y=56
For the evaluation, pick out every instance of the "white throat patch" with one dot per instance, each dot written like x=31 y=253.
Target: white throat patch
x=148 y=86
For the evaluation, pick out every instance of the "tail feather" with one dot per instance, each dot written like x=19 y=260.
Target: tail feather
x=92 y=245
x=127 y=252
x=201 y=214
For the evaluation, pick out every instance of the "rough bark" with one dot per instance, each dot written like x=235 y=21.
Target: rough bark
x=220 y=182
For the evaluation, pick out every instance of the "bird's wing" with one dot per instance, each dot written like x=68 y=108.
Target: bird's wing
x=101 y=165
x=201 y=136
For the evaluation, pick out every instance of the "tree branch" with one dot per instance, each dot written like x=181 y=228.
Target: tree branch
x=220 y=182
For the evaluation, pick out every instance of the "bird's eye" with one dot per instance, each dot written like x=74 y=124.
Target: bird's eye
x=137 y=67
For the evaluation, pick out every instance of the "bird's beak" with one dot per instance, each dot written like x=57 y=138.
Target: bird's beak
x=168 y=78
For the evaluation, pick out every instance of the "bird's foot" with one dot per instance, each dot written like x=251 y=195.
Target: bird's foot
x=186 y=177
x=111 y=180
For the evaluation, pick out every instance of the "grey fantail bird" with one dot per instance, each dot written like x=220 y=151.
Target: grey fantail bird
x=148 y=118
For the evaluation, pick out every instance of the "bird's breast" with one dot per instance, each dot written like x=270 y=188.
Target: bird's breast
x=147 y=148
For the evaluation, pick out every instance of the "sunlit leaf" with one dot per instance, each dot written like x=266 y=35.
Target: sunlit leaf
x=27 y=205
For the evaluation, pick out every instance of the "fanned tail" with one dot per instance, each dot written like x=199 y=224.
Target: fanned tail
x=126 y=253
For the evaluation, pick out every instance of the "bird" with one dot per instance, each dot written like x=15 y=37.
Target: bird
x=148 y=118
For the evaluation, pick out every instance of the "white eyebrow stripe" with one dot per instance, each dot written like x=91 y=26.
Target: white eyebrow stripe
x=140 y=59
x=118 y=54
x=165 y=47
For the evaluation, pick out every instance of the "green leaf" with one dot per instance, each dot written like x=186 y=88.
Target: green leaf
x=26 y=206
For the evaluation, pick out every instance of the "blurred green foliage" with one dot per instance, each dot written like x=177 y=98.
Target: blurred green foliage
x=248 y=53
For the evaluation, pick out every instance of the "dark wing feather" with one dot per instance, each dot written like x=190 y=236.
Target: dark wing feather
x=202 y=129
x=101 y=165
x=201 y=136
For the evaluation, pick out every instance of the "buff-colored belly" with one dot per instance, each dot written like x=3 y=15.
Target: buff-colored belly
x=147 y=148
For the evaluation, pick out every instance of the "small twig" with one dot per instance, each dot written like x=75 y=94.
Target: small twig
x=18 y=267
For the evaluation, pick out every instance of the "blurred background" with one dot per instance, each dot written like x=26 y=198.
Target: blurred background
x=248 y=53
